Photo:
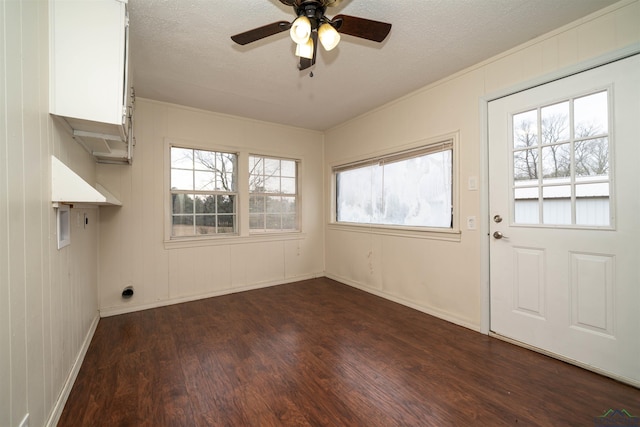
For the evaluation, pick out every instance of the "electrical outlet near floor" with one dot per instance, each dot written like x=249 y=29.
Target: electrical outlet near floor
x=24 y=422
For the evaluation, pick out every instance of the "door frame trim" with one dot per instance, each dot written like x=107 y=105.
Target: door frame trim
x=485 y=215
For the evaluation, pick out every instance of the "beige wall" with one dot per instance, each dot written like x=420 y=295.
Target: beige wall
x=132 y=237
x=444 y=277
x=48 y=297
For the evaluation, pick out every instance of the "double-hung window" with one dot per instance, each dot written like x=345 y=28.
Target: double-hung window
x=273 y=194
x=203 y=192
x=411 y=188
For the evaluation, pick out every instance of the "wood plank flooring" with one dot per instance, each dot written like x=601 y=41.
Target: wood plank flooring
x=319 y=353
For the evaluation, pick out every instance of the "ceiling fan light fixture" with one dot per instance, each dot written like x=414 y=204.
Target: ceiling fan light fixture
x=300 y=30
x=328 y=36
x=305 y=50
x=312 y=27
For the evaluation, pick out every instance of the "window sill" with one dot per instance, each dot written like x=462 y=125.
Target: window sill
x=194 y=242
x=449 y=235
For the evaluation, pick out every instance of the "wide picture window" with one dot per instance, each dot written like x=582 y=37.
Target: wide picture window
x=203 y=192
x=412 y=188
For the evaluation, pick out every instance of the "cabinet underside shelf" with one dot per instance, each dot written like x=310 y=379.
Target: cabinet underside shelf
x=109 y=144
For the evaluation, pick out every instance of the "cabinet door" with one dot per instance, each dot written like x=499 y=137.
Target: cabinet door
x=88 y=60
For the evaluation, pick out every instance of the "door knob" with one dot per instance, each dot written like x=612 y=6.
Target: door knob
x=497 y=219
x=498 y=235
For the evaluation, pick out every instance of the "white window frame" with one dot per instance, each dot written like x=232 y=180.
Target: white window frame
x=296 y=195
x=539 y=184
x=170 y=192
x=417 y=148
x=242 y=235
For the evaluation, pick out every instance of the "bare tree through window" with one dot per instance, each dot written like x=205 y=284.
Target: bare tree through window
x=273 y=194
x=561 y=156
x=203 y=192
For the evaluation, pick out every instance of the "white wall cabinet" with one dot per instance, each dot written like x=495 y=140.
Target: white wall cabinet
x=89 y=87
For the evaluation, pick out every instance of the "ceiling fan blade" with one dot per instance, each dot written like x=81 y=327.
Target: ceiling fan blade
x=261 y=32
x=305 y=62
x=364 y=28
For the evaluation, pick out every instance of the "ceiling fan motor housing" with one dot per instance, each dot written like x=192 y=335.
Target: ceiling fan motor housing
x=312 y=9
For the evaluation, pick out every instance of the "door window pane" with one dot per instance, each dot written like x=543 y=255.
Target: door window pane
x=592 y=157
x=593 y=204
x=555 y=123
x=526 y=205
x=556 y=204
x=525 y=165
x=556 y=161
x=525 y=129
x=591 y=115
x=574 y=163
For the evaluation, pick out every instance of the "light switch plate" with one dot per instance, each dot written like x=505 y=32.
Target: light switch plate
x=471 y=223
x=472 y=184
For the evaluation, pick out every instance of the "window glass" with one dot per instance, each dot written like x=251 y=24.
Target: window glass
x=525 y=129
x=555 y=123
x=203 y=192
x=404 y=189
x=273 y=200
x=562 y=178
x=591 y=115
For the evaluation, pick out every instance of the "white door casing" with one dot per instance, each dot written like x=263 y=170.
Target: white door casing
x=560 y=280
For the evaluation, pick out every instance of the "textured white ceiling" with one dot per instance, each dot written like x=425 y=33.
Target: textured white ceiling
x=181 y=52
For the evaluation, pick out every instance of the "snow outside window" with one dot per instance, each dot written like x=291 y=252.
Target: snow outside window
x=412 y=188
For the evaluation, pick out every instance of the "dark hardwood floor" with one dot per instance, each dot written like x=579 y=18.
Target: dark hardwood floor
x=319 y=353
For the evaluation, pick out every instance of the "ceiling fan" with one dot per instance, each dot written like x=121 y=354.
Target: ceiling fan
x=312 y=25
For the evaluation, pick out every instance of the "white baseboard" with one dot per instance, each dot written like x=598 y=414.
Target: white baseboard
x=58 y=407
x=114 y=311
x=427 y=310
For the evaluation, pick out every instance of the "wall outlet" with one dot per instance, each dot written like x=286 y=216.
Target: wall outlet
x=24 y=422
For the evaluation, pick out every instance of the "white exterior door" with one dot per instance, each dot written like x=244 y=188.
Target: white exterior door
x=564 y=176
